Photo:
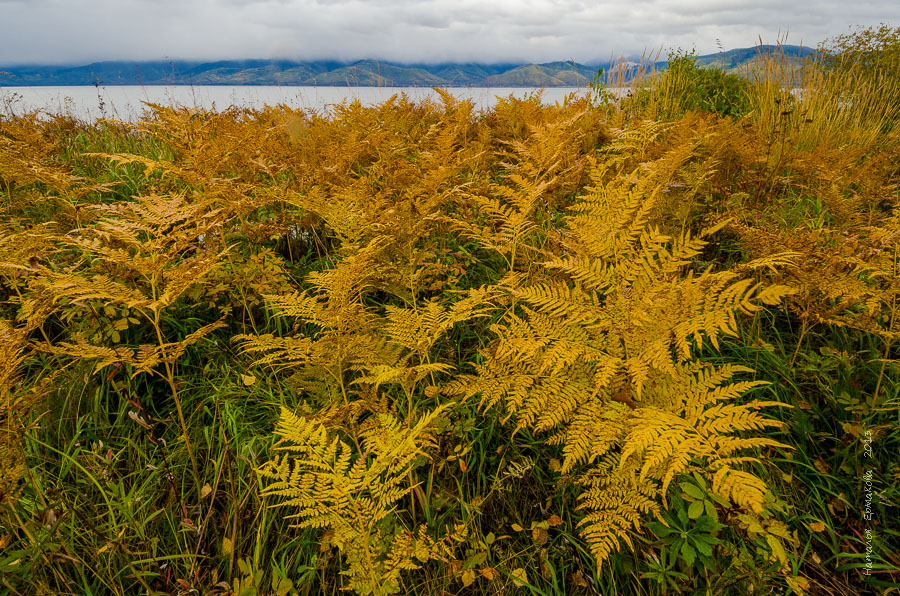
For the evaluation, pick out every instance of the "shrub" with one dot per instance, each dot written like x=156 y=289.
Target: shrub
x=685 y=86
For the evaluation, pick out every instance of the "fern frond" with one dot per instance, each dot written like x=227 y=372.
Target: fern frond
x=82 y=349
x=596 y=428
x=353 y=494
x=299 y=305
x=150 y=165
x=616 y=503
x=65 y=286
x=16 y=403
x=284 y=351
x=741 y=488
x=407 y=376
x=593 y=274
x=558 y=300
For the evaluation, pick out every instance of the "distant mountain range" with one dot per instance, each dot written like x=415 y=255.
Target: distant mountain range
x=364 y=73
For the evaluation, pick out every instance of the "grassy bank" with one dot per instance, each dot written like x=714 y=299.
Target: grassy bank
x=635 y=347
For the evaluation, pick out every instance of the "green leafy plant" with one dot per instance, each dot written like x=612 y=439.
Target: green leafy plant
x=690 y=535
x=684 y=86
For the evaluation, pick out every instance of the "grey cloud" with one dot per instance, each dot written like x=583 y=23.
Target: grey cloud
x=259 y=4
x=411 y=30
x=432 y=21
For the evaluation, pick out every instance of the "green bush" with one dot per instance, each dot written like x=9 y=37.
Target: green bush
x=685 y=85
x=708 y=89
x=877 y=50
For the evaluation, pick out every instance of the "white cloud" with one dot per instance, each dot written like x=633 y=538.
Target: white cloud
x=78 y=31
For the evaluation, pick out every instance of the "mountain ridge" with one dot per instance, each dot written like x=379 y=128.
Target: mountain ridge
x=361 y=73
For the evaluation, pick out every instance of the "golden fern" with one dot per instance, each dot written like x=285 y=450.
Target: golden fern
x=691 y=422
x=35 y=180
x=145 y=254
x=135 y=264
x=360 y=192
x=28 y=157
x=601 y=358
x=349 y=344
x=341 y=334
x=547 y=143
x=508 y=217
x=354 y=495
x=145 y=359
x=616 y=502
x=842 y=279
x=417 y=329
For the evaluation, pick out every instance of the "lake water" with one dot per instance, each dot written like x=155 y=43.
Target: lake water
x=125 y=102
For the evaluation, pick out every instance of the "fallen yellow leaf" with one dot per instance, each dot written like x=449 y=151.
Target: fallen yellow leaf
x=519 y=575
x=467 y=577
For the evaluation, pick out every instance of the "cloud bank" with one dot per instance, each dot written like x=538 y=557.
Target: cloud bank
x=80 y=31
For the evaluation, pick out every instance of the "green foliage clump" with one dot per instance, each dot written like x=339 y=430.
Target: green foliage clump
x=873 y=49
x=708 y=89
x=684 y=86
x=869 y=59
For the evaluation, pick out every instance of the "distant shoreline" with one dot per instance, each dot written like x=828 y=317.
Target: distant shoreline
x=363 y=73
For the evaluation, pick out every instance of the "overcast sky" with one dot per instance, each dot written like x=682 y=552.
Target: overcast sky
x=80 y=31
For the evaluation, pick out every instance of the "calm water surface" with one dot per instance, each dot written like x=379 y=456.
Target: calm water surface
x=126 y=102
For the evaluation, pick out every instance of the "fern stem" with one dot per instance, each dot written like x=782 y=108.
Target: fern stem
x=412 y=497
x=339 y=377
x=804 y=328
x=243 y=297
x=170 y=378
